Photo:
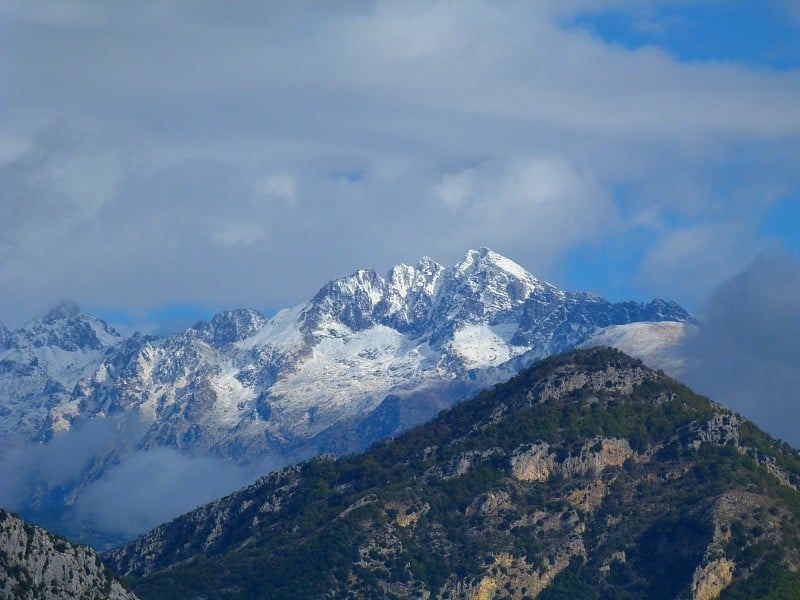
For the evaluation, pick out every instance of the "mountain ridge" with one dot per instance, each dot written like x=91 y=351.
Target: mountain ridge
x=366 y=357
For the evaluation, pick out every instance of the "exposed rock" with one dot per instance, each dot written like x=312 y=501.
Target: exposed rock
x=37 y=564
x=610 y=378
x=516 y=579
x=538 y=463
x=710 y=579
x=721 y=429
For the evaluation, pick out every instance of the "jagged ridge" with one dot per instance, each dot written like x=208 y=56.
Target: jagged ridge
x=365 y=358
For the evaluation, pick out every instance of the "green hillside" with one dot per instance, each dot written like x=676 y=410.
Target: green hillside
x=586 y=476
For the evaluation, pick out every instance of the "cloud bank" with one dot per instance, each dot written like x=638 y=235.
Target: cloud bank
x=110 y=485
x=187 y=153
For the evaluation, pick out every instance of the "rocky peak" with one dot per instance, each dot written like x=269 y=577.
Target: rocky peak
x=234 y=325
x=67 y=328
x=349 y=300
x=410 y=294
x=485 y=283
x=665 y=310
x=65 y=310
x=481 y=285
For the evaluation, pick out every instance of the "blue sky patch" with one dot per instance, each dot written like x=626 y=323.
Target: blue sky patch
x=759 y=34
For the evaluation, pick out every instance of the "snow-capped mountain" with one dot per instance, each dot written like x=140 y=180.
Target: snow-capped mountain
x=366 y=357
x=40 y=365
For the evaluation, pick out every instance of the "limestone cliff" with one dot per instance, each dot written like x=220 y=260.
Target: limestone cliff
x=35 y=564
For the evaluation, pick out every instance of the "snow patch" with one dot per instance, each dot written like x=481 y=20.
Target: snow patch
x=479 y=346
x=655 y=344
x=281 y=332
x=510 y=267
x=232 y=397
x=346 y=375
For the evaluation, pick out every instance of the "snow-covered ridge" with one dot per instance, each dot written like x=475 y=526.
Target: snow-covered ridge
x=656 y=343
x=360 y=338
x=365 y=357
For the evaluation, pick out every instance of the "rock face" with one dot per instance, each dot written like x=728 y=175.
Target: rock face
x=539 y=463
x=367 y=357
x=36 y=564
x=586 y=476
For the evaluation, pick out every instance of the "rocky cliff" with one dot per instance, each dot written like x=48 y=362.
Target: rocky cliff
x=37 y=565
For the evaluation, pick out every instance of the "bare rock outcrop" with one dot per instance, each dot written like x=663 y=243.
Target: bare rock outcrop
x=37 y=564
x=539 y=462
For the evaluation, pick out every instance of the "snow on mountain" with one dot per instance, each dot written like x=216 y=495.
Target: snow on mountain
x=41 y=363
x=655 y=343
x=310 y=379
x=241 y=384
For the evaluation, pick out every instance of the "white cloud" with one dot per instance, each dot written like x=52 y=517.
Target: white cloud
x=279 y=187
x=543 y=204
x=456 y=189
x=238 y=234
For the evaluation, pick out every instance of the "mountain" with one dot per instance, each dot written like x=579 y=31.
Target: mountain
x=37 y=564
x=587 y=475
x=367 y=357
x=40 y=365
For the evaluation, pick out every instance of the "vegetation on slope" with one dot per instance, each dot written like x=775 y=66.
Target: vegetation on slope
x=587 y=475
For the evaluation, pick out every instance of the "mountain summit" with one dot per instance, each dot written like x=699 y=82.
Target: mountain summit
x=368 y=356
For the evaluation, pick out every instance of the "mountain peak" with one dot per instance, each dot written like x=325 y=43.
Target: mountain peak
x=234 y=325
x=66 y=309
x=487 y=259
x=69 y=329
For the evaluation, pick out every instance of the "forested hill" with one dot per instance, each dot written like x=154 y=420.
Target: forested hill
x=587 y=475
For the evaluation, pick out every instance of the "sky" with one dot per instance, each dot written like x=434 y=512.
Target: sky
x=165 y=160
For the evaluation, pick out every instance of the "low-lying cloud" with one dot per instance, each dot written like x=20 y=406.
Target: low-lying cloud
x=109 y=486
x=154 y=486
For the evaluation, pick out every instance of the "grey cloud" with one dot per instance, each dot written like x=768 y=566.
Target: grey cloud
x=45 y=467
x=746 y=353
x=223 y=135
x=150 y=487
x=687 y=261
